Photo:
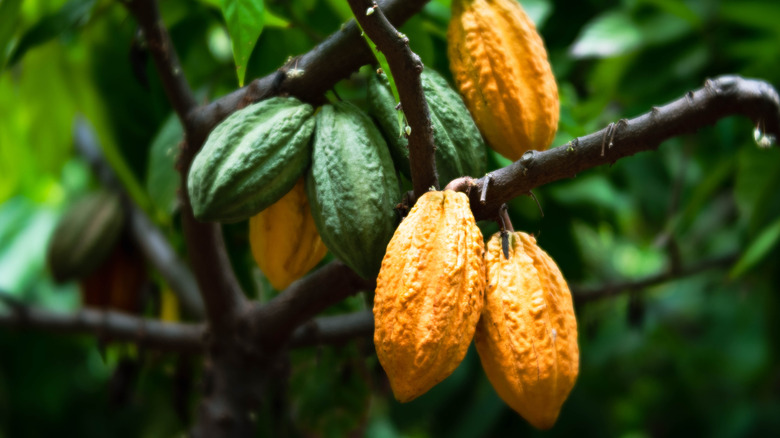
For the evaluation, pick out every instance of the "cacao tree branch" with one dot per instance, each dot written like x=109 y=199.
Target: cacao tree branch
x=151 y=240
x=272 y=323
x=584 y=295
x=164 y=55
x=109 y=326
x=334 y=329
x=216 y=280
x=720 y=97
x=406 y=68
x=334 y=59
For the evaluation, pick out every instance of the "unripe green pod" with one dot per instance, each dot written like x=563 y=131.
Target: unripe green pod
x=85 y=236
x=352 y=187
x=251 y=160
x=460 y=149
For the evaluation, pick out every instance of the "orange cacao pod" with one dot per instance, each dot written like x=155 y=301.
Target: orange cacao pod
x=527 y=336
x=429 y=293
x=284 y=238
x=500 y=65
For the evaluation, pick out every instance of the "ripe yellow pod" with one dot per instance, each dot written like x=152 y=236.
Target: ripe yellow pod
x=527 y=336
x=429 y=293
x=500 y=66
x=284 y=239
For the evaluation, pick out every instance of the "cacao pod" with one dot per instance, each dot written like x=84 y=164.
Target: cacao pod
x=251 y=159
x=352 y=187
x=85 y=236
x=460 y=149
x=527 y=336
x=500 y=65
x=429 y=293
x=284 y=239
x=117 y=283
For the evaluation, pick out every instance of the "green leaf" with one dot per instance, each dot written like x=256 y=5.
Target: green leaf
x=71 y=15
x=758 y=250
x=245 y=19
x=609 y=34
x=9 y=12
x=273 y=20
x=162 y=180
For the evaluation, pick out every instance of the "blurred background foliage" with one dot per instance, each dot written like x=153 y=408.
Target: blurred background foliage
x=694 y=356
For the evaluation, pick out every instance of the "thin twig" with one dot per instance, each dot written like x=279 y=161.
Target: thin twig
x=165 y=58
x=406 y=68
x=584 y=295
x=111 y=326
x=216 y=280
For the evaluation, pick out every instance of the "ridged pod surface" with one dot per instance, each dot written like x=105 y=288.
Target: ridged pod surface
x=429 y=293
x=251 y=159
x=527 y=337
x=284 y=239
x=85 y=236
x=352 y=187
x=500 y=65
x=460 y=149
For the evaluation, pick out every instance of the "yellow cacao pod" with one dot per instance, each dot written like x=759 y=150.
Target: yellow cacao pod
x=527 y=336
x=284 y=239
x=429 y=293
x=500 y=66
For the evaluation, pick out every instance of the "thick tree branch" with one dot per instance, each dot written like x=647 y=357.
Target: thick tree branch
x=109 y=326
x=165 y=58
x=331 y=61
x=272 y=323
x=215 y=277
x=720 y=97
x=220 y=289
x=334 y=329
x=584 y=295
x=406 y=68
x=151 y=240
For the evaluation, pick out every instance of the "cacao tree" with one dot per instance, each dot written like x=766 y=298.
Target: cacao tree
x=292 y=217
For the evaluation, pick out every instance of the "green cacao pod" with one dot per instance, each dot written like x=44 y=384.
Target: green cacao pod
x=85 y=236
x=251 y=160
x=352 y=187
x=460 y=149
